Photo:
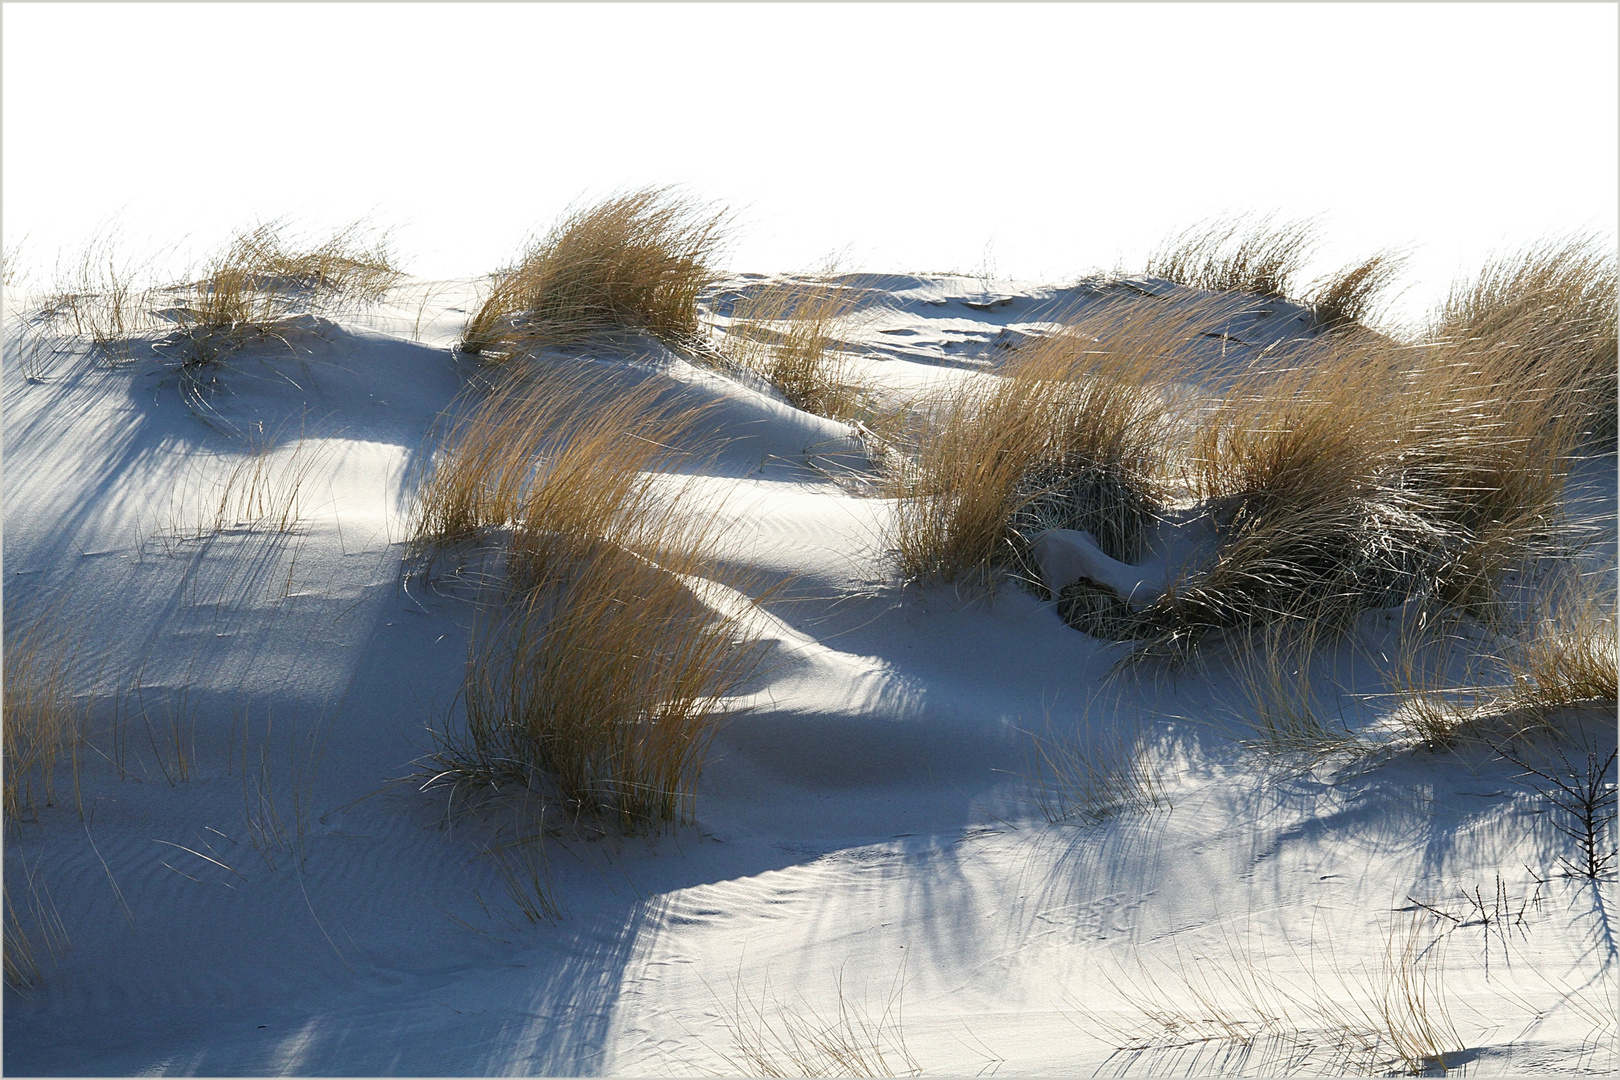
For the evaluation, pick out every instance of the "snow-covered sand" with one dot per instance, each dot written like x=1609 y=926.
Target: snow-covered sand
x=867 y=835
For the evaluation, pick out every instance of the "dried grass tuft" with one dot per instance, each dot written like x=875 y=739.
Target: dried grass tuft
x=1289 y=463
x=33 y=927
x=264 y=491
x=106 y=296
x=605 y=684
x=572 y=449
x=1069 y=781
x=1281 y=696
x=12 y=266
x=786 y=334
x=605 y=651
x=42 y=720
x=259 y=286
x=1264 y=256
x=1212 y=1016
x=1350 y=297
x=264 y=285
x=1341 y=472
x=1241 y=254
x=636 y=261
x=1551 y=309
x=1570 y=658
x=1068 y=436
x=1368 y=476
x=1546 y=677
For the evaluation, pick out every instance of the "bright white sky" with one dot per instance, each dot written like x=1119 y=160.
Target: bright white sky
x=1037 y=141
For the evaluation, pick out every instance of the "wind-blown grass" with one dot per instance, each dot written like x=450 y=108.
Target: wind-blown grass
x=1367 y=476
x=1340 y=472
x=42 y=719
x=1067 y=436
x=1289 y=463
x=12 y=266
x=604 y=654
x=604 y=684
x=770 y=1038
x=261 y=282
x=1265 y=257
x=1351 y=296
x=1211 y=1016
x=257 y=287
x=1071 y=780
x=264 y=491
x=33 y=927
x=1545 y=676
x=1281 y=705
x=1550 y=307
x=572 y=450
x=636 y=261
x=1570 y=658
x=106 y=295
x=785 y=334
x=1261 y=256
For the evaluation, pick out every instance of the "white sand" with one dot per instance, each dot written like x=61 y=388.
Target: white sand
x=866 y=829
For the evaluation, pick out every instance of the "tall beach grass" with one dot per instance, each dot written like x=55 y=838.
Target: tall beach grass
x=634 y=261
x=1067 y=435
x=43 y=719
x=599 y=668
x=786 y=334
x=1340 y=472
x=255 y=288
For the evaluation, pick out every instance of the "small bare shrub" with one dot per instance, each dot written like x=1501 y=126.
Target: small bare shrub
x=1585 y=795
x=636 y=261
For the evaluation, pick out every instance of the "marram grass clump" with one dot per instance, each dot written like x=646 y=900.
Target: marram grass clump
x=1548 y=309
x=1267 y=258
x=636 y=261
x=262 y=281
x=264 y=284
x=603 y=684
x=1338 y=472
x=1066 y=436
x=786 y=334
x=605 y=648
